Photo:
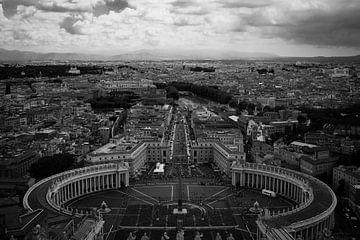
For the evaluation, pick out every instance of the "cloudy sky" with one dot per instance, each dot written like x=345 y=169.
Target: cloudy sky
x=283 y=27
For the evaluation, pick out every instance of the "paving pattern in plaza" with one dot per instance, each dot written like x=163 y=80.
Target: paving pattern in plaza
x=211 y=209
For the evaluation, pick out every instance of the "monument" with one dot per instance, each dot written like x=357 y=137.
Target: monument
x=179 y=209
x=104 y=208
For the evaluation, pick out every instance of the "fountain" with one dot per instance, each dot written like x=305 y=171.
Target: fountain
x=256 y=208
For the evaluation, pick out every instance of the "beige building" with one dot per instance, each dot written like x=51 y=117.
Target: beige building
x=136 y=153
x=315 y=167
x=214 y=151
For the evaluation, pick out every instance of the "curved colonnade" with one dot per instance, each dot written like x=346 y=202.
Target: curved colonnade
x=315 y=201
x=314 y=210
x=72 y=184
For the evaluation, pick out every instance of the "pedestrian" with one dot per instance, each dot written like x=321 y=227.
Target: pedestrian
x=198 y=236
x=180 y=235
x=165 y=236
x=145 y=237
x=218 y=236
x=230 y=237
x=131 y=236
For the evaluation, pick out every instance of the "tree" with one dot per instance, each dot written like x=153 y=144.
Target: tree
x=242 y=105
x=50 y=165
x=172 y=92
x=267 y=108
x=112 y=118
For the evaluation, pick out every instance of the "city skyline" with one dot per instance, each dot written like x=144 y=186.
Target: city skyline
x=284 y=28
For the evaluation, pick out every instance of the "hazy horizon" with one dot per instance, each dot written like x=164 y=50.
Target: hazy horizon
x=297 y=28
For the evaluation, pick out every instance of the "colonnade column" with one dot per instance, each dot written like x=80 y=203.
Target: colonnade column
x=70 y=191
x=264 y=182
x=66 y=193
x=257 y=180
x=85 y=185
x=278 y=185
x=112 y=180
x=267 y=182
x=98 y=182
x=117 y=180
x=61 y=195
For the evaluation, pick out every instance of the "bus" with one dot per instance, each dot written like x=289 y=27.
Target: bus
x=268 y=193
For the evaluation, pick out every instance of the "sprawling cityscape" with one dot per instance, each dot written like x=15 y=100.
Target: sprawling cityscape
x=256 y=149
x=124 y=120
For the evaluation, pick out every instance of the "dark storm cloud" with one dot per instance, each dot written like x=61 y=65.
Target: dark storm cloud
x=341 y=28
x=188 y=7
x=10 y=7
x=69 y=25
x=183 y=3
x=338 y=25
x=110 y=5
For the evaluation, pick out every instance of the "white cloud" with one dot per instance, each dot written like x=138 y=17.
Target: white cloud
x=122 y=25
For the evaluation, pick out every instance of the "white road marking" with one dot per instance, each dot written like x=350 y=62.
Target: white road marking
x=223 y=190
x=220 y=199
x=145 y=195
x=137 y=198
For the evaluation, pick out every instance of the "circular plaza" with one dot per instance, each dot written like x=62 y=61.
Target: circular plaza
x=302 y=205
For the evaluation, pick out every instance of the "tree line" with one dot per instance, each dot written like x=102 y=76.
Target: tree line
x=208 y=92
x=50 y=165
x=125 y=101
x=45 y=71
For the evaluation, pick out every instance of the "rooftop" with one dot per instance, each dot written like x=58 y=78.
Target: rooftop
x=301 y=144
x=350 y=170
x=121 y=146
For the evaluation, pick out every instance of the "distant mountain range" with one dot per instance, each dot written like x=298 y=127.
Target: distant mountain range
x=158 y=54
x=24 y=56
